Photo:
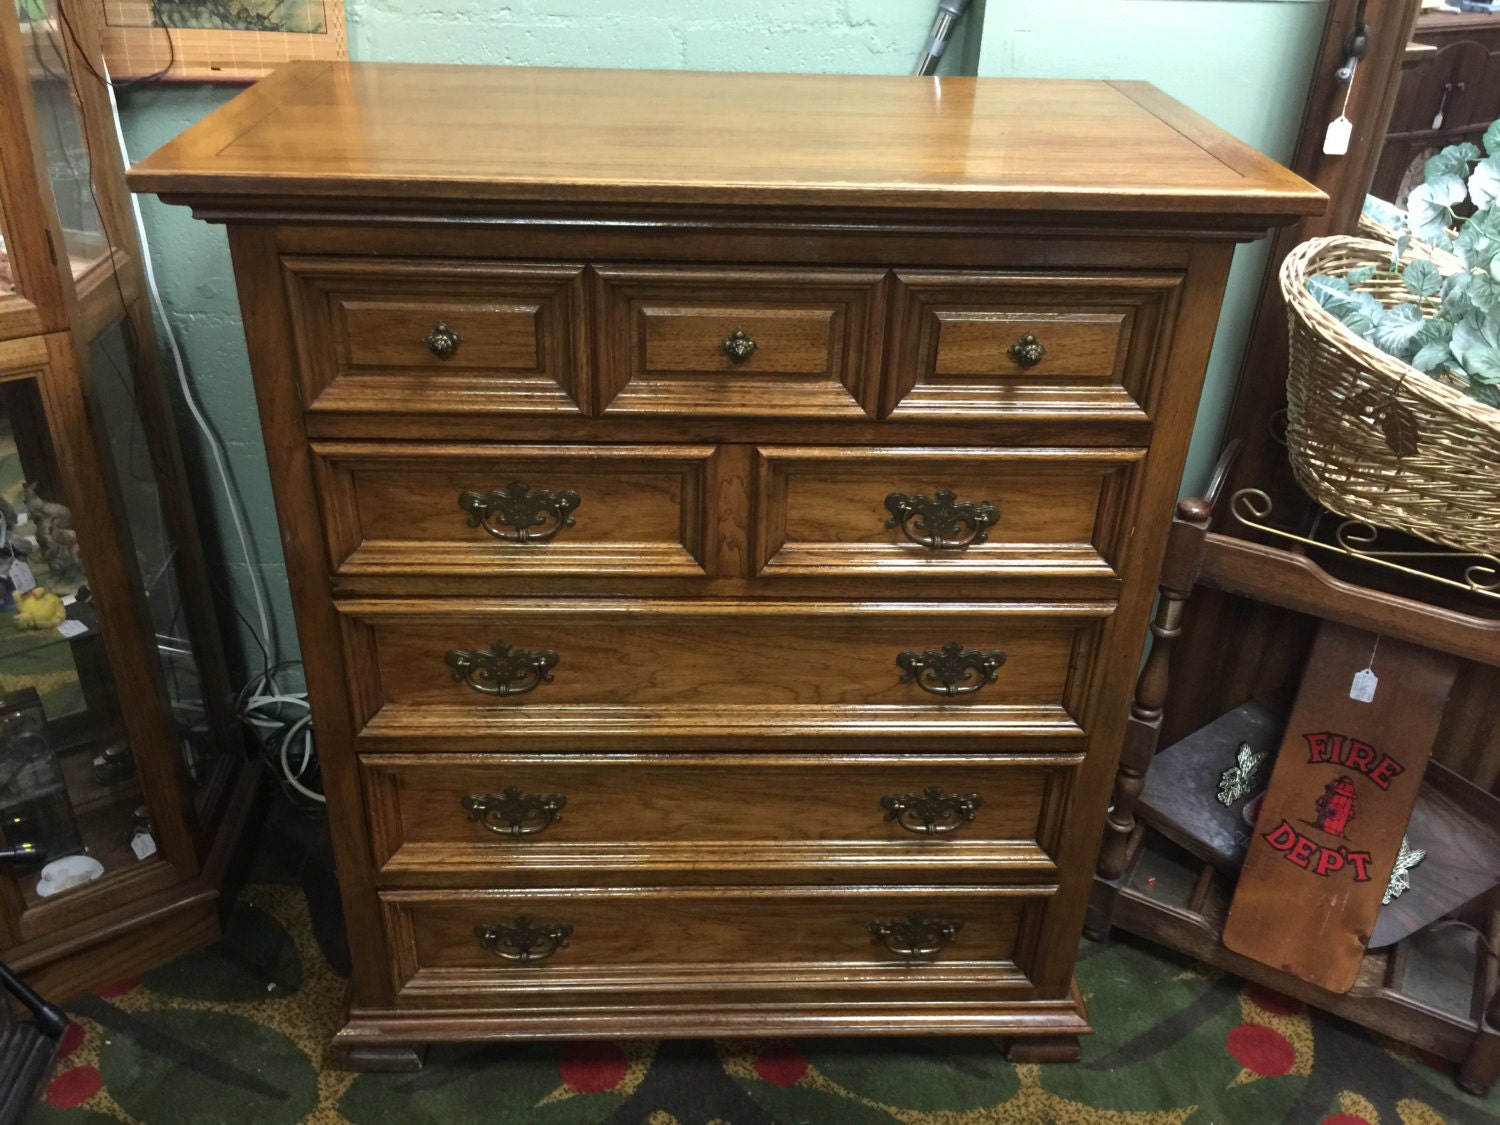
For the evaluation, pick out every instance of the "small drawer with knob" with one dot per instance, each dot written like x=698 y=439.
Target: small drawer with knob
x=694 y=817
x=557 y=947
x=520 y=672
x=941 y=513
x=764 y=342
x=504 y=511
x=1028 y=346
x=379 y=336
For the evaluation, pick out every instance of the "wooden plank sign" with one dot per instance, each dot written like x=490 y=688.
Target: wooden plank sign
x=1347 y=775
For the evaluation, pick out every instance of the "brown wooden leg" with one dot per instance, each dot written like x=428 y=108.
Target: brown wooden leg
x=1482 y=1066
x=396 y=1058
x=1044 y=1049
x=1100 y=918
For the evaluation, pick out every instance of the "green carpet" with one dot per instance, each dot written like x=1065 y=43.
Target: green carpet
x=236 y=1035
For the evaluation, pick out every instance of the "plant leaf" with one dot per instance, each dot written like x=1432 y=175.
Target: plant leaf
x=1421 y=277
x=1485 y=393
x=1484 y=183
x=1476 y=343
x=1402 y=432
x=1428 y=216
x=1400 y=248
x=1360 y=276
x=1396 y=330
x=1431 y=357
x=1492 y=139
x=1451 y=161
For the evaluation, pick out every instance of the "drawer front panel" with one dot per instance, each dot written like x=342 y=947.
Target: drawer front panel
x=503 y=666
x=768 y=342
x=827 y=510
x=527 y=939
x=494 y=813
x=492 y=511
x=410 y=336
x=1019 y=345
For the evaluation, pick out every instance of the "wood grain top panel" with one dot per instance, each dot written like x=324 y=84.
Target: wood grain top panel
x=391 y=131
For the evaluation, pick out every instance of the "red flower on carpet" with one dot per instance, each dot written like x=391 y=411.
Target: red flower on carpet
x=73 y=1087
x=120 y=987
x=1344 y=1119
x=780 y=1064
x=1262 y=1050
x=72 y=1038
x=593 y=1067
x=1274 y=1002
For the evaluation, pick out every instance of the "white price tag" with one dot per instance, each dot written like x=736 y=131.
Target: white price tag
x=1362 y=690
x=143 y=845
x=71 y=628
x=1336 y=141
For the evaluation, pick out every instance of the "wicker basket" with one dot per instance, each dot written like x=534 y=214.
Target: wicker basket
x=1373 y=438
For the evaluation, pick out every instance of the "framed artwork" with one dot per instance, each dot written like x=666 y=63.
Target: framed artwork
x=218 y=40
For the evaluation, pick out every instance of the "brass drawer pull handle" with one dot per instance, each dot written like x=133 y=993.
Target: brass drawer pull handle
x=738 y=346
x=522 y=940
x=931 y=812
x=1027 y=351
x=442 y=341
x=916 y=936
x=954 y=670
x=522 y=509
x=514 y=813
x=938 y=521
x=500 y=669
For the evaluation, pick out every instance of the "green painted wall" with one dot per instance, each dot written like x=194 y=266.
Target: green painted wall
x=192 y=261
x=1243 y=64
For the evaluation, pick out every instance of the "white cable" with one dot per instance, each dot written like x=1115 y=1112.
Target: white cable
x=286 y=765
x=257 y=581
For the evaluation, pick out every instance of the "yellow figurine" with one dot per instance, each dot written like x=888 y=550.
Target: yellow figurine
x=38 y=608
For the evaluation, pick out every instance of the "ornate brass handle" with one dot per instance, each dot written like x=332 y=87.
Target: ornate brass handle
x=738 y=346
x=1027 y=351
x=514 y=813
x=522 y=509
x=931 y=812
x=522 y=940
x=937 y=521
x=953 y=670
x=916 y=936
x=500 y=669
x=442 y=341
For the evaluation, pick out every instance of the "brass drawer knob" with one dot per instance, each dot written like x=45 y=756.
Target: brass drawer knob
x=931 y=812
x=939 y=522
x=514 y=813
x=953 y=670
x=738 y=346
x=500 y=669
x=523 y=941
x=442 y=341
x=516 y=512
x=1027 y=351
x=916 y=936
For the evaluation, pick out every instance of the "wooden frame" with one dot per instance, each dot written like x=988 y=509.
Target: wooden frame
x=135 y=46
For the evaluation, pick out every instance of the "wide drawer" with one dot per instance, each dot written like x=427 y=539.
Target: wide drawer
x=826 y=510
x=493 y=947
x=521 y=668
x=489 y=510
x=413 y=336
x=767 y=342
x=687 y=816
x=967 y=344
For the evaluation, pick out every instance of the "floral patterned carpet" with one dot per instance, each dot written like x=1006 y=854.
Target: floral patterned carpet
x=236 y=1035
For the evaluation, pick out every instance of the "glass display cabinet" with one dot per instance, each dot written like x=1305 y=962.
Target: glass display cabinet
x=123 y=778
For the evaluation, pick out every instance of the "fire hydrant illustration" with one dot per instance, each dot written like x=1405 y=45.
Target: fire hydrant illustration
x=1336 y=806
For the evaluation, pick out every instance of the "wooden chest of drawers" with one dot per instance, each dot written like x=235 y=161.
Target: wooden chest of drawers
x=722 y=514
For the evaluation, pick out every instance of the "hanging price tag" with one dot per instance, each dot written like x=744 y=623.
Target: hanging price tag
x=1336 y=141
x=1363 y=688
x=143 y=845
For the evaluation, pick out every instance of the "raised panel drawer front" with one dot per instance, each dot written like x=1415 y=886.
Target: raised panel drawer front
x=1021 y=345
x=391 y=335
x=603 y=667
x=493 y=510
x=501 y=944
x=941 y=512
x=688 y=817
x=748 y=342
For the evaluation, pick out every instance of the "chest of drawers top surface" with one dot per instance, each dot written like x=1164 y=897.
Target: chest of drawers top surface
x=360 y=131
